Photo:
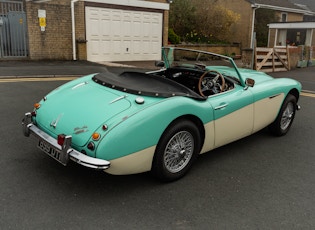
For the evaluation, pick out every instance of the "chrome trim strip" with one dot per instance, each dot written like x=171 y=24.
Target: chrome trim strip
x=30 y=128
x=276 y=95
x=118 y=99
x=80 y=84
x=221 y=106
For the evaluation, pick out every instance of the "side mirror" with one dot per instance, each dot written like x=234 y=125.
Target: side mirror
x=160 y=64
x=250 y=82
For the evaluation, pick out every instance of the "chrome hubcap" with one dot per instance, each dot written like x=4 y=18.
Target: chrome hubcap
x=287 y=116
x=178 y=151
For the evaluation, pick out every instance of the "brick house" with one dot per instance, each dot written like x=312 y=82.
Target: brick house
x=243 y=30
x=94 y=30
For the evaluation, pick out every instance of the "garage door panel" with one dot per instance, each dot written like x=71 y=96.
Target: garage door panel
x=123 y=35
x=126 y=32
x=136 y=47
x=127 y=47
x=94 y=48
x=106 y=51
x=146 y=47
x=116 y=47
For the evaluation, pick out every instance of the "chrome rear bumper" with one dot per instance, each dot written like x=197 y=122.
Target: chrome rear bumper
x=65 y=152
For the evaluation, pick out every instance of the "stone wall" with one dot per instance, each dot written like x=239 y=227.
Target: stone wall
x=233 y=50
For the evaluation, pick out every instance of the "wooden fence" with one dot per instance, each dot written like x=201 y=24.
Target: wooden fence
x=272 y=59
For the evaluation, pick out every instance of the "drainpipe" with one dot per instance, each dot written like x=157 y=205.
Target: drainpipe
x=74 y=54
x=253 y=35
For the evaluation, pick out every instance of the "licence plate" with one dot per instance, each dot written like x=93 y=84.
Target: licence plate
x=53 y=152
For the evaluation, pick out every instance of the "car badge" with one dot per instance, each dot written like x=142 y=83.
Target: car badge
x=55 y=122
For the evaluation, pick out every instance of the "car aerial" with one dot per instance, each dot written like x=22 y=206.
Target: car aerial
x=161 y=120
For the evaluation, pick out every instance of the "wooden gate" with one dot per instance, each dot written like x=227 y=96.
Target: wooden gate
x=272 y=59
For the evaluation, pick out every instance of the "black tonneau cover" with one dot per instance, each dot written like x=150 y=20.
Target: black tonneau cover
x=144 y=84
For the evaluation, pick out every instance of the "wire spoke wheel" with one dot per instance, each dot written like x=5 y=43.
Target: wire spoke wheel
x=287 y=116
x=179 y=151
x=176 y=151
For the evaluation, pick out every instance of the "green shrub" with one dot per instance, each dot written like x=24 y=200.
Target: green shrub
x=173 y=38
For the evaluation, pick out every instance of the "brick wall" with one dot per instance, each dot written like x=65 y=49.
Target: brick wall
x=293 y=17
x=229 y=50
x=55 y=42
x=79 y=14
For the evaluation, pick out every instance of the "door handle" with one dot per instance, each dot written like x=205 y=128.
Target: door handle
x=221 y=106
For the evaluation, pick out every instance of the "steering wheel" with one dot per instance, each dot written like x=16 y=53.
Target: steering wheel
x=211 y=84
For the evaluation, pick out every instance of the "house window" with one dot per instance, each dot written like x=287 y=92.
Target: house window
x=296 y=37
x=284 y=17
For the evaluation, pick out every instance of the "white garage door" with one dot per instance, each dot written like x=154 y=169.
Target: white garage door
x=123 y=35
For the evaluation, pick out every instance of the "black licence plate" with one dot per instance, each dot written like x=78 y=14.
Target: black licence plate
x=51 y=151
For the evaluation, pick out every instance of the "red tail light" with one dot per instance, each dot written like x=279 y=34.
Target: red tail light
x=91 y=146
x=61 y=139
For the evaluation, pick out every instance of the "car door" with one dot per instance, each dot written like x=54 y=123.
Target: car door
x=233 y=115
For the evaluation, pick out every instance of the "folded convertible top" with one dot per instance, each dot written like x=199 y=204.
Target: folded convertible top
x=145 y=84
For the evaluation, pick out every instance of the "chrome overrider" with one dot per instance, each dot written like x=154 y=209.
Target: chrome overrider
x=67 y=152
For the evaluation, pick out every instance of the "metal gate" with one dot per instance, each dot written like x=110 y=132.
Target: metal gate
x=13 y=29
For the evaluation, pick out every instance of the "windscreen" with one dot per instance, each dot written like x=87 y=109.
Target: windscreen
x=177 y=57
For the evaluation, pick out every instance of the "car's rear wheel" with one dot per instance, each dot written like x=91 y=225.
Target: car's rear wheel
x=285 y=117
x=176 y=151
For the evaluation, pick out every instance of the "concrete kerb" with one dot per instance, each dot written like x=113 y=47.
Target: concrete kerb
x=42 y=76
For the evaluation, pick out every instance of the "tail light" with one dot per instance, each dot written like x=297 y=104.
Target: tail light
x=91 y=146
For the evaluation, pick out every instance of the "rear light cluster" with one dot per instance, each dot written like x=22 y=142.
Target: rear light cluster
x=91 y=145
x=36 y=106
x=95 y=137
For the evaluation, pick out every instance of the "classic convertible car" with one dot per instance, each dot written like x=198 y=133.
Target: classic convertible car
x=161 y=120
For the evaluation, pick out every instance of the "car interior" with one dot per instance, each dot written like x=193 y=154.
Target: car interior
x=202 y=81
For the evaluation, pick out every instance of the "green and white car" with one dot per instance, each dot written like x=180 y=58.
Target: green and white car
x=160 y=121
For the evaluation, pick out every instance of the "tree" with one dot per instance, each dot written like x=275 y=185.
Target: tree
x=214 y=21
x=182 y=17
x=262 y=18
x=201 y=20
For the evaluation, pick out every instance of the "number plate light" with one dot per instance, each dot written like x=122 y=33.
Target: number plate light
x=61 y=139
